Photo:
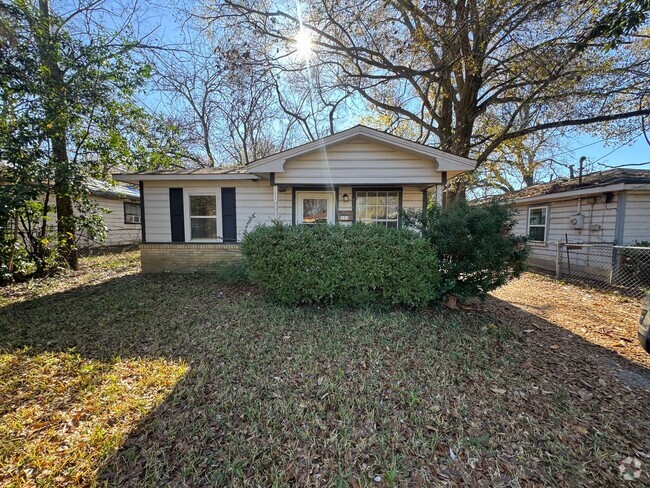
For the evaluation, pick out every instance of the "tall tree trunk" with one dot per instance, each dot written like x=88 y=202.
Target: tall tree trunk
x=65 y=222
x=66 y=225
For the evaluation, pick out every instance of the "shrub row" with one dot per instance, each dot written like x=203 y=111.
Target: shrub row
x=353 y=265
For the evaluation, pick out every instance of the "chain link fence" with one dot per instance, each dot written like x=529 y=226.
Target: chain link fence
x=116 y=241
x=625 y=269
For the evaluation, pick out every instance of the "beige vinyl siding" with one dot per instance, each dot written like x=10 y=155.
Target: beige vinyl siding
x=637 y=217
x=112 y=213
x=411 y=198
x=254 y=204
x=599 y=219
x=156 y=210
x=595 y=213
x=359 y=163
x=114 y=218
x=521 y=216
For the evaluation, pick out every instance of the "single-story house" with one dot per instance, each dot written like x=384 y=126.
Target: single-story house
x=121 y=214
x=587 y=216
x=120 y=204
x=193 y=218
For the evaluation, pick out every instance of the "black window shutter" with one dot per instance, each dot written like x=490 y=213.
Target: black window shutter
x=177 y=214
x=229 y=214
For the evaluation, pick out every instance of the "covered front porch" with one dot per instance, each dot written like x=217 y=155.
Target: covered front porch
x=346 y=204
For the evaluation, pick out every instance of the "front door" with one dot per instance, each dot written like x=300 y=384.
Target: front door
x=315 y=206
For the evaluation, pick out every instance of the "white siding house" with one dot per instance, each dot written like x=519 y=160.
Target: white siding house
x=636 y=224
x=580 y=223
x=359 y=175
x=120 y=211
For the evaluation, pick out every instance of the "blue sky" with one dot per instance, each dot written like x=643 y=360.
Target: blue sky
x=165 y=17
x=612 y=155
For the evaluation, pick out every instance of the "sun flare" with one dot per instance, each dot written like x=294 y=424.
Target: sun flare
x=303 y=44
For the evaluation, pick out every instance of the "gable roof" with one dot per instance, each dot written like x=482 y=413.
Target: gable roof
x=590 y=182
x=446 y=161
x=275 y=163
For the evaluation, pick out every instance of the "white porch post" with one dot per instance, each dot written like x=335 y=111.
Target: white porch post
x=439 y=190
x=275 y=200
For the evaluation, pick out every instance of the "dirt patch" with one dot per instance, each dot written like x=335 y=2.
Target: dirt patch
x=607 y=322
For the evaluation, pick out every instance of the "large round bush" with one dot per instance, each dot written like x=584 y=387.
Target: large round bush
x=350 y=265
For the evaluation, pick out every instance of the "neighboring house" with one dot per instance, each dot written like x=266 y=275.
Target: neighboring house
x=193 y=218
x=587 y=217
x=122 y=214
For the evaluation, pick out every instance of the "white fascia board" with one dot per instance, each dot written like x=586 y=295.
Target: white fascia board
x=637 y=186
x=134 y=178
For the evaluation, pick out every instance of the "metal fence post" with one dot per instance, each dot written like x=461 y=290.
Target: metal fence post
x=612 y=272
x=558 y=260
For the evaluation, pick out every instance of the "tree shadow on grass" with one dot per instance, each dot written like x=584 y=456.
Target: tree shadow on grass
x=259 y=394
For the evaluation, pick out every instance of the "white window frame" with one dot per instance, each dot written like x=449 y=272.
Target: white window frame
x=330 y=196
x=545 y=225
x=205 y=192
x=356 y=191
x=137 y=217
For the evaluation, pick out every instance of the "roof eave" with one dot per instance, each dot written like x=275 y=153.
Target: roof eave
x=136 y=177
x=580 y=192
x=570 y=194
x=118 y=196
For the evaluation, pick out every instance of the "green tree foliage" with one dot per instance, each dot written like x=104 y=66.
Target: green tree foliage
x=626 y=18
x=356 y=265
x=67 y=113
x=476 y=248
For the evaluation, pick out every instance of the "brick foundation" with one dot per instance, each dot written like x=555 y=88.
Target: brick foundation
x=186 y=257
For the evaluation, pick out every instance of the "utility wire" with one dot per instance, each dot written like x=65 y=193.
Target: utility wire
x=625 y=165
x=616 y=149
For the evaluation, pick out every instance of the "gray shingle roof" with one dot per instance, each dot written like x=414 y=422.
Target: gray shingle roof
x=592 y=180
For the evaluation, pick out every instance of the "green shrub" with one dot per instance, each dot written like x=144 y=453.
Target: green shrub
x=354 y=265
x=635 y=264
x=475 y=245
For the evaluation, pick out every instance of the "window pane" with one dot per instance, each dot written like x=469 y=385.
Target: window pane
x=380 y=207
x=362 y=213
x=537 y=233
x=132 y=208
x=204 y=228
x=132 y=213
x=314 y=209
x=537 y=216
x=203 y=205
